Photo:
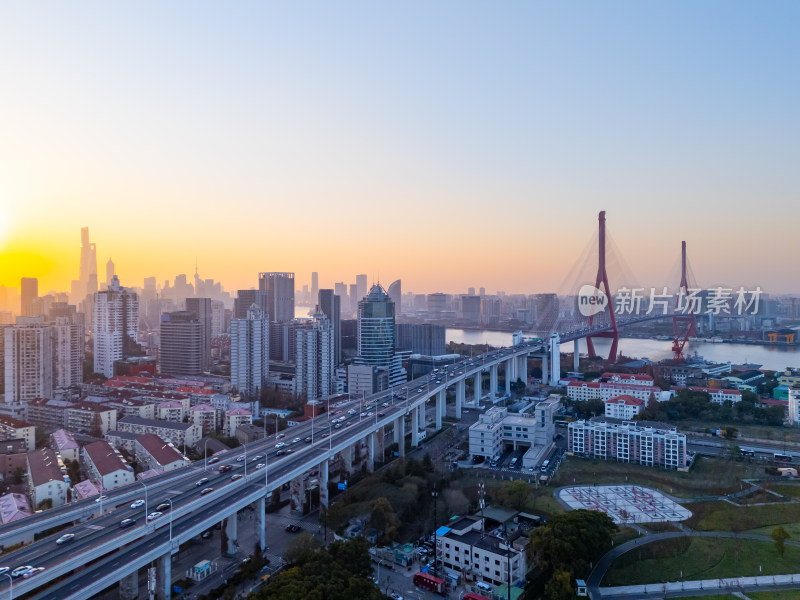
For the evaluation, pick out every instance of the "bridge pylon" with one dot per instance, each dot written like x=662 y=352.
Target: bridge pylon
x=683 y=325
x=602 y=278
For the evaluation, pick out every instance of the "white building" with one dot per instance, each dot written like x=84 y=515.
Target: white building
x=628 y=442
x=116 y=317
x=633 y=379
x=105 y=466
x=236 y=417
x=47 y=478
x=178 y=433
x=205 y=416
x=154 y=453
x=250 y=351
x=28 y=349
x=718 y=395
x=65 y=445
x=794 y=405
x=581 y=391
x=623 y=407
x=14 y=429
x=315 y=358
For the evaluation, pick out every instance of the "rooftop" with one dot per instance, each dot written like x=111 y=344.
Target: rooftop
x=12 y=422
x=134 y=420
x=104 y=457
x=160 y=450
x=43 y=467
x=626 y=400
x=14 y=507
x=63 y=440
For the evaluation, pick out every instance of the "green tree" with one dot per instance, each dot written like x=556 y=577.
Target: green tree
x=19 y=475
x=45 y=504
x=384 y=520
x=559 y=587
x=427 y=463
x=779 y=537
x=301 y=547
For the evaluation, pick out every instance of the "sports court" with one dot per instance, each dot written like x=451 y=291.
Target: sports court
x=624 y=503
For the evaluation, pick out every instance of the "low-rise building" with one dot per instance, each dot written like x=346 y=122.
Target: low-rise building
x=794 y=405
x=106 y=467
x=90 y=418
x=249 y=433
x=171 y=410
x=582 y=391
x=204 y=415
x=629 y=441
x=746 y=380
x=14 y=507
x=122 y=439
x=718 y=395
x=14 y=429
x=155 y=453
x=136 y=407
x=633 y=379
x=623 y=407
x=13 y=456
x=236 y=417
x=63 y=442
x=47 y=479
x=171 y=431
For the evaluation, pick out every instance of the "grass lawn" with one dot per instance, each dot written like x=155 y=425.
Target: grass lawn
x=790 y=490
x=761 y=432
x=707 y=477
x=776 y=595
x=700 y=558
x=723 y=516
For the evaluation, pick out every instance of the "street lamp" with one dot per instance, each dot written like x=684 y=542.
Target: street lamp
x=435 y=495
x=170 y=523
x=145 y=502
x=10 y=585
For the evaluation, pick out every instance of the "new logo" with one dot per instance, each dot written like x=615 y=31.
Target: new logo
x=591 y=300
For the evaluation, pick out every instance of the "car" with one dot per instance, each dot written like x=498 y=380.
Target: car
x=280 y=452
x=352 y=411
x=203 y=481
x=137 y=503
x=205 y=491
x=225 y=468
x=260 y=466
x=163 y=507
x=281 y=436
x=101 y=498
x=293 y=528
x=395 y=596
x=308 y=440
x=280 y=445
x=33 y=572
x=296 y=440
x=206 y=534
x=236 y=477
x=381 y=414
x=240 y=458
x=67 y=537
x=324 y=435
x=153 y=516
x=363 y=414
x=3 y=570
x=337 y=426
x=125 y=523
x=289 y=450
x=213 y=459
x=370 y=413
x=20 y=571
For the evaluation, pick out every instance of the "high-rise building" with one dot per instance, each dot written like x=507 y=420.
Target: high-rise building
x=471 y=308
x=314 y=285
x=314 y=357
x=202 y=308
x=376 y=330
x=361 y=286
x=250 y=351
x=28 y=360
x=68 y=350
x=242 y=303
x=88 y=269
x=116 y=326
x=421 y=338
x=29 y=291
x=180 y=352
x=330 y=305
x=109 y=272
x=279 y=289
x=354 y=298
x=396 y=294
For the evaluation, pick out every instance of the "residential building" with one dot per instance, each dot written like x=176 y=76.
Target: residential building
x=315 y=358
x=236 y=417
x=590 y=390
x=630 y=378
x=29 y=353
x=14 y=507
x=14 y=429
x=205 y=416
x=69 y=350
x=279 y=290
x=64 y=444
x=179 y=434
x=632 y=442
x=157 y=454
x=718 y=395
x=13 y=456
x=116 y=326
x=250 y=352
x=249 y=433
x=29 y=291
x=171 y=410
x=202 y=309
x=794 y=405
x=331 y=305
x=106 y=467
x=366 y=380
x=623 y=407
x=180 y=350
x=47 y=479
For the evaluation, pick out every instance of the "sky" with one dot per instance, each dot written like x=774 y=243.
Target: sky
x=452 y=144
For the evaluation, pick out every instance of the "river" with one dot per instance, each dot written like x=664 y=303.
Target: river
x=770 y=357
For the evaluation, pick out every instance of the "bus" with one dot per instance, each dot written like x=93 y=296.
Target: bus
x=429 y=582
x=783 y=457
x=747 y=452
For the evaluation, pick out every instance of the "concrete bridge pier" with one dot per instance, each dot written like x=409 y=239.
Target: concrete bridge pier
x=129 y=586
x=371 y=452
x=164 y=576
x=522 y=369
x=493 y=382
x=400 y=435
x=347 y=458
x=323 y=483
x=441 y=407
x=555 y=359
x=509 y=366
x=415 y=427
x=260 y=507
x=477 y=387
x=461 y=392
x=576 y=360
x=297 y=488
x=545 y=369
x=380 y=445
x=232 y=533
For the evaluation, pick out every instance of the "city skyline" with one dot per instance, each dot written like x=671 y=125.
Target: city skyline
x=484 y=164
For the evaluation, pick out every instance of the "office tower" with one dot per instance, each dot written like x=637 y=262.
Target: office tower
x=396 y=294
x=244 y=300
x=361 y=286
x=421 y=338
x=218 y=326
x=482 y=291
x=314 y=285
x=68 y=350
x=109 y=272
x=28 y=360
x=279 y=289
x=376 y=346
x=29 y=291
x=180 y=352
x=91 y=284
x=201 y=307
x=88 y=263
x=330 y=305
x=116 y=326
x=471 y=308
x=314 y=358
x=250 y=352
x=437 y=303
x=471 y=291
x=354 y=298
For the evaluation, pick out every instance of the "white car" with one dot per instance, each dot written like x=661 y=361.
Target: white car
x=240 y=458
x=280 y=445
x=67 y=537
x=153 y=516
x=20 y=571
x=296 y=441
x=32 y=572
x=101 y=498
x=137 y=504
x=260 y=466
x=3 y=570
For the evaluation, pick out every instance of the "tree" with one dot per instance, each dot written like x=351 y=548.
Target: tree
x=301 y=548
x=19 y=475
x=779 y=536
x=384 y=520
x=559 y=587
x=48 y=503
x=427 y=463
x=731 y=433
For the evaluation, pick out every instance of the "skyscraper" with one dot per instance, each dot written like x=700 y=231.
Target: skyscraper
x=330 y=305
x=250 y=352
x=29 y=291
x=314 y=358
x=279 y=289
x=88 y=269
x=355 y=298
x=116 y=326
x=376 y=346
x=28 y=360
x=314 y=285
x=201 y=307
x=68 y=349
x=109 y=272
x=396 y=294
x=180 y=352
x=361 y=286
